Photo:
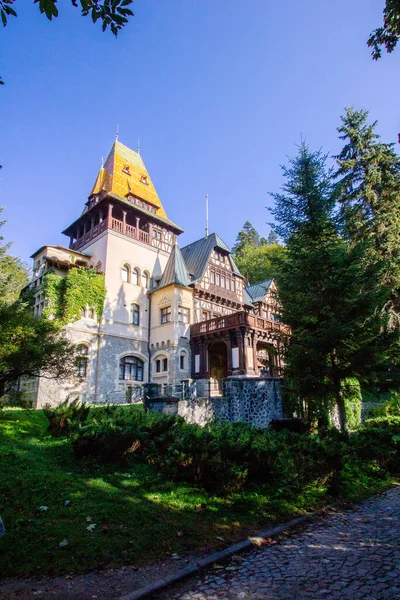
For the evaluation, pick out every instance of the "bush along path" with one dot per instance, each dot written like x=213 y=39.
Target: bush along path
x=349 y=555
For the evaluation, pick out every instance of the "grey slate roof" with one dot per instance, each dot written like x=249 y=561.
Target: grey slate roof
x=175 y=272
x=247 y=301
x=258 y=290
x=197 y=254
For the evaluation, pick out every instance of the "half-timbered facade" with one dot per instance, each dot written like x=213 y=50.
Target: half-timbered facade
x=170 y=314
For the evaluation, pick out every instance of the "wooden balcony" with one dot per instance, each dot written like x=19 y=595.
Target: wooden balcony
x=115 y=225
x=234 y=321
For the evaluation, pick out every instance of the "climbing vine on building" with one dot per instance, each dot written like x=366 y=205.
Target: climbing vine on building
x=53 y=293
x=67 y=296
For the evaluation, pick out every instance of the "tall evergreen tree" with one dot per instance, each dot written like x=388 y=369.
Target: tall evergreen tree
x=370 y=198
x=273 y=237
x=326 y=290
x=248 y=236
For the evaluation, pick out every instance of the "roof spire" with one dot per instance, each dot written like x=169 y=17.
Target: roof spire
x=206 y=215
x=138 y=145
x=117 y=133
x=102 y=162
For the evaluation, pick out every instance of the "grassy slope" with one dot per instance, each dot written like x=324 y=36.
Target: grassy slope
x=137 y=512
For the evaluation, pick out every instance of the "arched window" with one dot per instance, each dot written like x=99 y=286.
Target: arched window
x=134 y=314
x=125 y=273
x=161 y=364
x=145 y=279
x=81 y=360
x=136 y=276
x=131 y=369
x=182 y=361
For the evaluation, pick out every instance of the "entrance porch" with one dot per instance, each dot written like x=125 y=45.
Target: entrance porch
x=237 y=344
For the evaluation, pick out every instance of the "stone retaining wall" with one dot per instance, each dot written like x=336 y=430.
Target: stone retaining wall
x=255 y=401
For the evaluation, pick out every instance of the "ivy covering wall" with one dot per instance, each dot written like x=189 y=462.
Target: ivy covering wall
x=68 y=296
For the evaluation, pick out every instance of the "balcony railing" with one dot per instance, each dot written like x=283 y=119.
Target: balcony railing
x=115 y=225
x=239 y=319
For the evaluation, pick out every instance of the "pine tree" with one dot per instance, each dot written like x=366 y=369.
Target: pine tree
x=273 y=237
x=248 y=236
x=326 y=290
x=370 y=198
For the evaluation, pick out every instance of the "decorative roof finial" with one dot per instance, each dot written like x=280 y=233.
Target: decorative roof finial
x=206 y=215
x=102 y=162
x=117 y=134
x=138 y=145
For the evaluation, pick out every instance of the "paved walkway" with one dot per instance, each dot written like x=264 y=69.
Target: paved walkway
x=349 y=555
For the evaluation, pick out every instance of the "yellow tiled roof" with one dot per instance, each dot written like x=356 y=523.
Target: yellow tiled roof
x=124 y=172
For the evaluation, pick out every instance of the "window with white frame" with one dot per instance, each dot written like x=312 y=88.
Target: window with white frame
x=81 y=360
x=136 y=276
x=183 y=314
x=166 y=315
x=161 y=365
x=145 y=279
x=125 y=273
x=134 y=314
x=157 y=235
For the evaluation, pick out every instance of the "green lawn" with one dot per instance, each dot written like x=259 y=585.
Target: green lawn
x=139 y=515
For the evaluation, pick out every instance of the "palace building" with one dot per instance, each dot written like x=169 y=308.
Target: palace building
x=170 y=314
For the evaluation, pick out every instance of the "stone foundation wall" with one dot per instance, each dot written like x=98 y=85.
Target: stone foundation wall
x=255 y=401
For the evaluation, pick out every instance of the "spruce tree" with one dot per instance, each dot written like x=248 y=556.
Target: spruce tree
x=370 y=198
x=326 y=290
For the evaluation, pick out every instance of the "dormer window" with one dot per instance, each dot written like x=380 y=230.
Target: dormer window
x=143 y=179
x=126 y=169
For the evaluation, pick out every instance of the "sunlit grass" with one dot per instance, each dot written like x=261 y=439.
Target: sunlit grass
x=137 y=513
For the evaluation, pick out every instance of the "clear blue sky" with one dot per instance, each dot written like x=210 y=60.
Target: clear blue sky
x=219 y=92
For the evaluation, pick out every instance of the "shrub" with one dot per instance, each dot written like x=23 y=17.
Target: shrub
x=377 y=444
x=66 y=417
x=224 y=457
x=390 y=407
x=352 y=400
x=389 y=422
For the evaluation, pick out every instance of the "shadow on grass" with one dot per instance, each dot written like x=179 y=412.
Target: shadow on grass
x=138 y=515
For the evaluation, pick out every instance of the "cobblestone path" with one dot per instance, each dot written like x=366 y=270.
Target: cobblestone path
x=350 y=555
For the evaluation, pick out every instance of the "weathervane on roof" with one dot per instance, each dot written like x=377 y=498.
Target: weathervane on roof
x=117 y=134
x=206 y=215
x=138 y=145
x=102 y=162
